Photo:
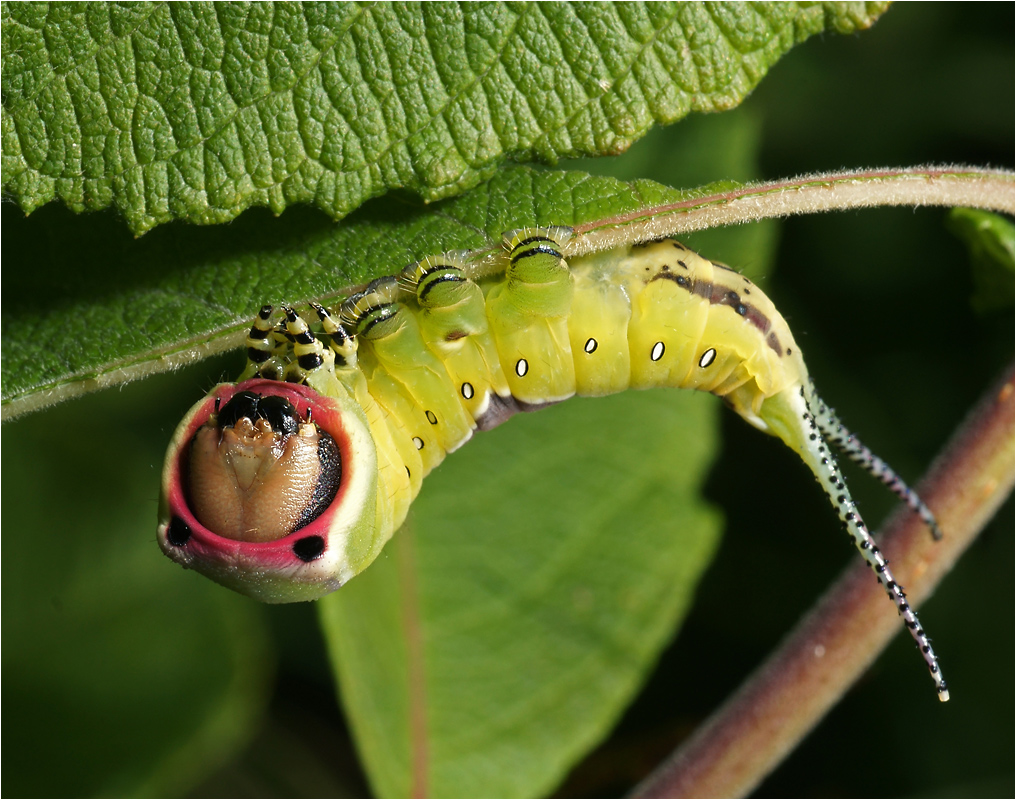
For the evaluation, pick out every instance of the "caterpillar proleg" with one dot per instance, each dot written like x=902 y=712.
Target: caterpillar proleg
x=288 y=483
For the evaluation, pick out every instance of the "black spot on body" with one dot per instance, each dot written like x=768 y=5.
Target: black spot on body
x=179 y=532
x=310 y=361
x=309 y=548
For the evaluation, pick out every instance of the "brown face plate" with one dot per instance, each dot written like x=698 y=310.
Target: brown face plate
x=256 y=473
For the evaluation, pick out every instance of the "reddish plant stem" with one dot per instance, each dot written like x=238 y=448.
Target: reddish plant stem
x=747 y=737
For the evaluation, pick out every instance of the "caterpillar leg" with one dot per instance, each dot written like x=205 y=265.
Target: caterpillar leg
x=791 y=417
x=342 y=344
x=836 y=433
x=309 y=353
x=267 y=348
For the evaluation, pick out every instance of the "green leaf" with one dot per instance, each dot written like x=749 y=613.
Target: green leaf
x=122 y=678
x=508 y=624
x=199 y=111
x=88 y=302
x=990 y=240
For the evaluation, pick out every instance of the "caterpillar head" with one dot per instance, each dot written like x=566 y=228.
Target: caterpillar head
x=270 y=489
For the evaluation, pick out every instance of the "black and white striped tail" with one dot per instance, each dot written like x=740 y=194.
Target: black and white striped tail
x=820 y=459
x=836 y=433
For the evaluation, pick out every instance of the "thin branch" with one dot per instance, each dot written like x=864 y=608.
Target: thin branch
x=992 y=190
x=733 y=751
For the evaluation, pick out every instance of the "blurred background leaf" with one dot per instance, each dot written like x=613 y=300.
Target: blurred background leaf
x=989 y=240
x=517 y=612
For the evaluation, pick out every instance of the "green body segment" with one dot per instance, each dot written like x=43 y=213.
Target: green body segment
x=637 y=317
x=416 y=363
x=441 y=355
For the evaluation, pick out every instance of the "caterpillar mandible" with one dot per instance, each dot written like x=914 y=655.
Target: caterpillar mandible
x=288 y=483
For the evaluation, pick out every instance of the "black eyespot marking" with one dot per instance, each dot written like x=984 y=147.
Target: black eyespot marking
x=658 y=349
x=279 y=412
x=328 y=482
x=242 y=404
x=467 y=391
x=431 y=418
x=179 y=532
x=590 y=345
x=521 y=367
x=309 y=548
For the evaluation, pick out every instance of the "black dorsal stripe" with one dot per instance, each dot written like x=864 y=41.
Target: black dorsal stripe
x=535 y=251
x=443 y=279
x=388 y=310
x=717 y=295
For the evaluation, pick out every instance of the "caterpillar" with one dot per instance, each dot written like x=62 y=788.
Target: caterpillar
x=288 y=483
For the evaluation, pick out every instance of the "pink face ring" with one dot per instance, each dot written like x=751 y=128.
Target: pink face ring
x=254 y=490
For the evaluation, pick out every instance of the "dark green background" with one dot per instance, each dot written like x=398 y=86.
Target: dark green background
x=878 y=301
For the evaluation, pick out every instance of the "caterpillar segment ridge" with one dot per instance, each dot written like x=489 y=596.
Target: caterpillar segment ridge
x=287 y=483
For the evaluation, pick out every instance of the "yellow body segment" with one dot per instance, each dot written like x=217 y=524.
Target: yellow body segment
x=423 y=359
x=638 y=317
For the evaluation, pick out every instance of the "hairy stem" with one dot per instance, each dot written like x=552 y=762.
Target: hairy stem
x=733 y=751
x=970 y=187
x=991 y=190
